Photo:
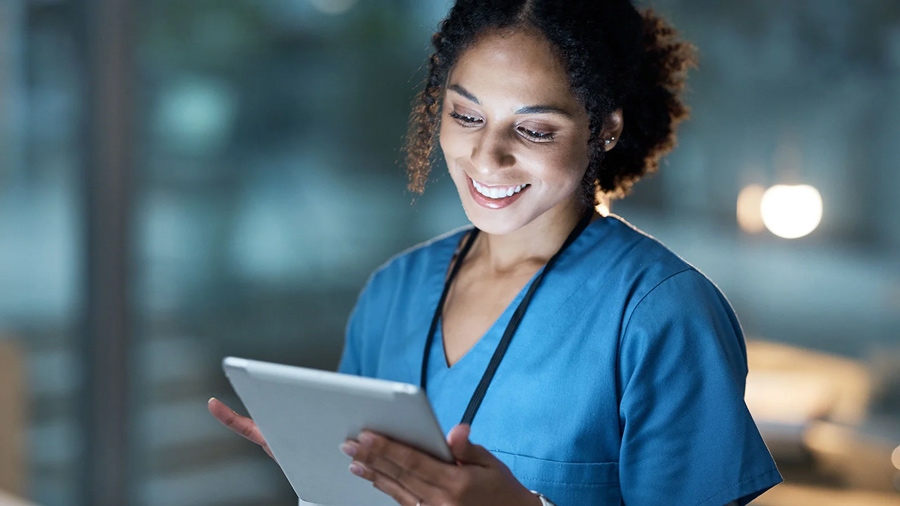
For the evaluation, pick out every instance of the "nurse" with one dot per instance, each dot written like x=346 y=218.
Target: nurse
x=572 y=359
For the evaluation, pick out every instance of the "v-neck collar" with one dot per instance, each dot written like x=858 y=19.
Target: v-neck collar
x=492 y=334
x=485 y=345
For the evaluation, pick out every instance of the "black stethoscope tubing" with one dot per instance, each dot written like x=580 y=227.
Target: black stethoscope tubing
x=503 y=345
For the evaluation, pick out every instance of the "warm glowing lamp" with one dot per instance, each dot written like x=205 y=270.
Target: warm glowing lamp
x=748 y=204
x=791 y=211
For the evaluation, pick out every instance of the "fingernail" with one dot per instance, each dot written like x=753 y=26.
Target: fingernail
x=356 y=469
x=366 y=439
x=210 y=400
x=348 y=448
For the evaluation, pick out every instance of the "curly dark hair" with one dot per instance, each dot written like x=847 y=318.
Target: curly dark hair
x=616 y=57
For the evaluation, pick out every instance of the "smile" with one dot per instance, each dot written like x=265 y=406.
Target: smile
x=495 y=197
x=497 y=192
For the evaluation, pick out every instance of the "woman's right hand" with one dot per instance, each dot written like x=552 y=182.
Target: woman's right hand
x=238 y=424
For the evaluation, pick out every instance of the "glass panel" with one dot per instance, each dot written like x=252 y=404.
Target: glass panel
x=40 y=260
x=269 y=190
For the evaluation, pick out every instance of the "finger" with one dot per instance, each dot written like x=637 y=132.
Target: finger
x=238 y=424
x=417 y=486
x=377 y=465
x=416 y=471
x=384 y=483
x=463 y=449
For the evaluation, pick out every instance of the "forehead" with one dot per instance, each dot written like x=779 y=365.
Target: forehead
x=516 y=66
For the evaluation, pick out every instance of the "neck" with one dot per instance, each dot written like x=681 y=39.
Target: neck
x=532 y=245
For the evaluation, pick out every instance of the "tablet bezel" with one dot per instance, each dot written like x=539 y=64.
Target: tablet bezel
x=305 y=414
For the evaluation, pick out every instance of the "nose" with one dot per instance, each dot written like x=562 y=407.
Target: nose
x=492 y=151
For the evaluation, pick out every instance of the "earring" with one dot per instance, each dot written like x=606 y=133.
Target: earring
x=607 y=141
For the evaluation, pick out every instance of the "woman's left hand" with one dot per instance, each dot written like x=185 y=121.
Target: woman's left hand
x=414 y=478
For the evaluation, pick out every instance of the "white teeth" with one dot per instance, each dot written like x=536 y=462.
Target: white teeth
x=497 y=192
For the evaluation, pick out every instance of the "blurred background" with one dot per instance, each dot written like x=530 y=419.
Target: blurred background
x=185 y=180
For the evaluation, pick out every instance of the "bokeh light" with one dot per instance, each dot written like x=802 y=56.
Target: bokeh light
x=791 y=211
x=749 y=201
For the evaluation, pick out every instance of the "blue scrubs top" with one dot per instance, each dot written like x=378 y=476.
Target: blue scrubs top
x=624 y=382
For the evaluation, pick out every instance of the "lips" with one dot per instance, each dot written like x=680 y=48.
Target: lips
x=496 y=192
x=495 y=197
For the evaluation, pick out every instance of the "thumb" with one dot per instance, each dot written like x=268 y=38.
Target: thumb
x=463 y=450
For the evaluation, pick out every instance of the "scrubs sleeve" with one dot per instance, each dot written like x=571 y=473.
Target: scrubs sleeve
x=687 y=436
x=350 y=357
x=359 y=325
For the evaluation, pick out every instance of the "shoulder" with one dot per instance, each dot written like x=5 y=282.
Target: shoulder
x=419 y=262
x=653 y=281
x=642 y=254
x=631 y=261
x=672 y=309
x=389 y=301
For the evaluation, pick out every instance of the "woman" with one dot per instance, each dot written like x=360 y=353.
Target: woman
x=604 y=368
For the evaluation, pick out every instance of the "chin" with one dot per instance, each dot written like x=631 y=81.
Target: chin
x=494 y=222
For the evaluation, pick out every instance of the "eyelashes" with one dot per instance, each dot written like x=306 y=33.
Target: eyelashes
x=467 y=121
x=537 y=136
x=464 y=120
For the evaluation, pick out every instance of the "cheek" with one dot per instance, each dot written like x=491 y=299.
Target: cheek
x=566 y=163
x=580 y=157
x=453 y=144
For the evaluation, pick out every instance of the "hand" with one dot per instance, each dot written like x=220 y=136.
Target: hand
x=238 y=424
x=414 y=478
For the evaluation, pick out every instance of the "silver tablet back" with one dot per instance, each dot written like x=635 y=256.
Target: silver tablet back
x=306 y=414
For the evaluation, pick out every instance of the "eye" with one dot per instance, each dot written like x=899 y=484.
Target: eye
x=465 y=120
x=536 y=136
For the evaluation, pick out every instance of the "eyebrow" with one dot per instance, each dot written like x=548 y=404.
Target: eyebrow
x=530 y=109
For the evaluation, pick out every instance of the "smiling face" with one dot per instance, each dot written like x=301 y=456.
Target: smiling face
x=514 y=136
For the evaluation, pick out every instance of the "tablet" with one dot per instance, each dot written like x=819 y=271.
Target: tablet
x=305 y=415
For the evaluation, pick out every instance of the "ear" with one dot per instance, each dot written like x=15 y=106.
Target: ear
x=612 y=130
